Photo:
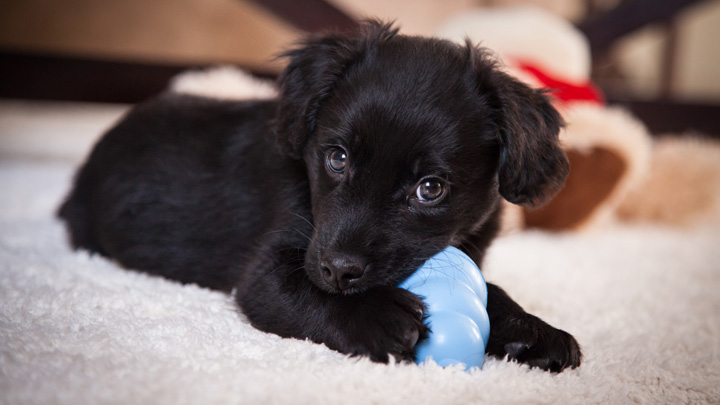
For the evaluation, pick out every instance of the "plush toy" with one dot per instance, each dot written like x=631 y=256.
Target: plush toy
x=455 y=294
x=617 y=171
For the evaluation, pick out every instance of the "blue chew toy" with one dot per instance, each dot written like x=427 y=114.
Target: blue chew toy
x=455 y=294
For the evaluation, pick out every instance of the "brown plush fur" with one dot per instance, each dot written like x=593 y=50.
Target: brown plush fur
x=682 y=186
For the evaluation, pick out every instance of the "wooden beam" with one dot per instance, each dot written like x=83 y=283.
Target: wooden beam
x=59 y=77
x=630 y=15
x=674 y=117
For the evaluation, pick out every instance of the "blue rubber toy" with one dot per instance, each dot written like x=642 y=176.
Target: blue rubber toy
x=455 y=294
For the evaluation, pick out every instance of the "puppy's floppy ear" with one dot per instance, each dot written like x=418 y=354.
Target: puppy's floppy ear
x=310 y=76
x=532 y=166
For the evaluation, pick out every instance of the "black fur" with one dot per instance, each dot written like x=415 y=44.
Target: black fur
x=308 y=205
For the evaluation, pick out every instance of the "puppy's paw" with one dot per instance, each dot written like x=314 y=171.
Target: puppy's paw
x=383 y=322
x=529 y=340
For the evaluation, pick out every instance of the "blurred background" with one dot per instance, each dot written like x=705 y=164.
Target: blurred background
x=658 y=58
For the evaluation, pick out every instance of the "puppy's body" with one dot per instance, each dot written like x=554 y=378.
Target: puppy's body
x=181 y=188
x=381 y=150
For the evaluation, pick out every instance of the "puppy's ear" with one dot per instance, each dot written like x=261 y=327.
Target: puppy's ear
x=532 y=166
x=315 y=67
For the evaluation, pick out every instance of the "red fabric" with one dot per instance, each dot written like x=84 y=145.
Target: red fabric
x=561 y=90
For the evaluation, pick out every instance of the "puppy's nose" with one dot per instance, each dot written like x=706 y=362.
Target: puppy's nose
x=343 y=270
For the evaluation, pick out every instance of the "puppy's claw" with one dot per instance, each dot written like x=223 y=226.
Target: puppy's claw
x=515 y=348
x=412 y=338
x=544 y=364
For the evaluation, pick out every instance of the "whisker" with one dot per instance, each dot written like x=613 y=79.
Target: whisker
x=306 y=237
x=289 y=230
x=304 y=219
x=280 y=266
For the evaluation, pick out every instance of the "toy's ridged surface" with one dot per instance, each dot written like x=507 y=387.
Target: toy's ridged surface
x=455 y=293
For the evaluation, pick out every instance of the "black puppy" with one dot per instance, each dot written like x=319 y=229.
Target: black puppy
x=381 y=150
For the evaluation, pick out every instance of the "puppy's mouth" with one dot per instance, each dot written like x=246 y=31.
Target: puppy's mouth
x=348 y=291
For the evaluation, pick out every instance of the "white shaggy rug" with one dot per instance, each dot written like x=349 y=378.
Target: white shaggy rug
x=644 y=302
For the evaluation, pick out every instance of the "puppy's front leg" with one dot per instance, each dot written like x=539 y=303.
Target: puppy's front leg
x=278 y=297
x=526 y=338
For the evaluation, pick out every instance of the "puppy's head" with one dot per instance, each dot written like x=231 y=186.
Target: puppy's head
x=408 y=142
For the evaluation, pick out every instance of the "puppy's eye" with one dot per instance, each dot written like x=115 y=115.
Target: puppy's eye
x=336 y=160
x=430 y=191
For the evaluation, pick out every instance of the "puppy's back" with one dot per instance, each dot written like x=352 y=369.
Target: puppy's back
x=156 y=192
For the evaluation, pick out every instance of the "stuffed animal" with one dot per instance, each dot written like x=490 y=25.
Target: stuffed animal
x=617 y=170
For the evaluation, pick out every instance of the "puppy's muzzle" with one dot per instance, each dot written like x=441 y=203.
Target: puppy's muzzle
x=343 y=271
